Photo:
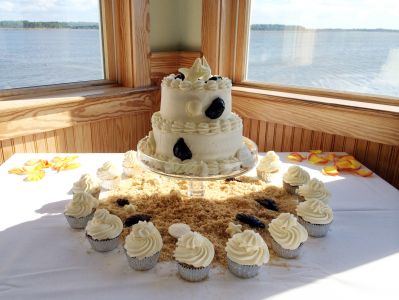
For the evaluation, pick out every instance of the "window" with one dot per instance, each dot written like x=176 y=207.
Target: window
x=49 y=42
x=344 y=45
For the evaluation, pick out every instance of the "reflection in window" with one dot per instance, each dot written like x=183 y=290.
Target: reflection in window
x=344 y=45
x=49 y=42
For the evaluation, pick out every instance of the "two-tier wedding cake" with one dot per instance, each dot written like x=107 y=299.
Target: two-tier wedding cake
x=195 y=130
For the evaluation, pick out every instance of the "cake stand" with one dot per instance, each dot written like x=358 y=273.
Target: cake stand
x=196 y=187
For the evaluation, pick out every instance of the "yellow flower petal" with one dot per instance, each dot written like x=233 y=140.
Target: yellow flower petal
x=330 y=171
x=296 y=157
x=17 y=171
x=35 y=176
x=364 y=172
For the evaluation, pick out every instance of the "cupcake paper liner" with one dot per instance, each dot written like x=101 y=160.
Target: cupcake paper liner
x=191 y=273
x=291 y=189
x=144 y=264
x=242 y=271
x=79 y=223
x=110 y=184
x=103 y=245
x=315 y=230
x=285 y=253
x=265 y=176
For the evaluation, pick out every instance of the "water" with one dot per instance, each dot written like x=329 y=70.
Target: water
x=357 y=61
x=49 y=56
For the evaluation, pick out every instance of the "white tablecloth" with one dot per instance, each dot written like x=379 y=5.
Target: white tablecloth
x=41 y=257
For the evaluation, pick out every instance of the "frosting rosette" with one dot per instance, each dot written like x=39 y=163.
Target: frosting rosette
x=269 y=163
x=247 y=248
x=296 y=176
x=108 y=171
x=286 y=231
x=314 y=190
x=315 y=212
x=143 y=241
x=129 y=159
x=195 y=250
x=87 y=184
x=81 y=205
x=104 y=225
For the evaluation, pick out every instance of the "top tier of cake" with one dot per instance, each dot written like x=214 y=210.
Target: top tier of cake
x=195 y=95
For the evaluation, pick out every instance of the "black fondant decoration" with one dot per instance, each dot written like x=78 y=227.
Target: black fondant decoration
x=181 y=150
x=252 y=221
x=134 y=219
x=216 y=109
x=268 y=203
x=180 y=76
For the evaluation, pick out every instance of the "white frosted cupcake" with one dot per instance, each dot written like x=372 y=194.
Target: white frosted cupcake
x=130 y=165
x=314 y=190
x=246 y=252
x=80 y=210
x=268 y=165
x=143 y=246
x=315 y=216
x=103 y=231
x=194 y=254
x=88 y=184
x=294 y=178
x=109 y=175
x=287 y=235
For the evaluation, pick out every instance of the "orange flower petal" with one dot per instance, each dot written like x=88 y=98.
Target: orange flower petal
x=316 y=151
x=296 y=157
x=17 y=171
x=315 y=159
x=35 y=176
x=330 y=156
x=330 y=171
x=71 y=166
x=364 y=172
x=355 y=164
x=32 y=162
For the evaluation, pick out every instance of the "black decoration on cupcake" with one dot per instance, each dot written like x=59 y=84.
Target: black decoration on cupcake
x=134 y=219
x=181 y=150
x=122 y=202
x=180 y=76
x=252 y=221
x=268 y=203
x=216 y=77
x=216 y=109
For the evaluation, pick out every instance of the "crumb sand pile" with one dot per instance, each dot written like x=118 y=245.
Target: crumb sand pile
x=165 y=201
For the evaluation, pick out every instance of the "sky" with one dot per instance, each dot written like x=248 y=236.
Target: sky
x=327 y=13
x=308 y=13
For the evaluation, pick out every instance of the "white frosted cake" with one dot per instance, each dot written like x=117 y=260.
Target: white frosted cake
x=195 y=130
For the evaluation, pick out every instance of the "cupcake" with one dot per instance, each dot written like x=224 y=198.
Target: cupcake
x=80 y=210
x=103 y=231
x=194 y=254
x=143 y=246
x=268 y=165
x=130 y=166
x=87 y=184
x=109 y=175
x=246 y=252
x=287 y=235
x=315 y=216
x=294 y=178
x=314 y=190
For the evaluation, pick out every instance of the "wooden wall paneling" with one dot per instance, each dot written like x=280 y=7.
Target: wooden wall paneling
x=349 y=145
x=262 y=136
x=338 y=143
x=373 y=156
x=278 y=137
x=393 y=161
x=327 y=142
x=30 y=145
x=254 y=130
x=108 y=39
x=1 y=154
x=70 y=140
x=383 y=165
x=60 y=141
x=361 y=150
x=270 y=136
x=82 y=137
x=316 y=140
x=306 y=141
x=51 y=141
x=210 y=32
x=296 y=139
x=287 y=139
x=7 y=148
x=18 y=145
x=246 y=124
x=41 y=143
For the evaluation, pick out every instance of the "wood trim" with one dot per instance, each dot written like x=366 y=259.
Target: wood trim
x=163 y=63
x=366 y=124
x=17 y=117
x=108 y=38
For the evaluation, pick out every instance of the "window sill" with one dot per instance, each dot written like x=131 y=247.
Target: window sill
x=54 y=108
x=368 y=121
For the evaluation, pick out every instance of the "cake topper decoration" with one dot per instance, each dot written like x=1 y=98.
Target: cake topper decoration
x=199 y=70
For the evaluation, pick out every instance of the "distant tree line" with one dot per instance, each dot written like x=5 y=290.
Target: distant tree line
x=278 y=27
x=53 y=25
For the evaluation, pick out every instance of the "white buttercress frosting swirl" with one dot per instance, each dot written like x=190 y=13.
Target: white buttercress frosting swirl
x=108 y=171
x=269 y=163
x=286 y=231
x=314 y=190
x=296 y=176
x=315 y=211
x=247 y=248
x=104 y=226
x=86 y=183
x=81 y=205
x=195 y=250
x=143 y=241
x=129 y=159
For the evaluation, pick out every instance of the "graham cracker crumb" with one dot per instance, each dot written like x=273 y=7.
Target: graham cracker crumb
x=166 y=202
